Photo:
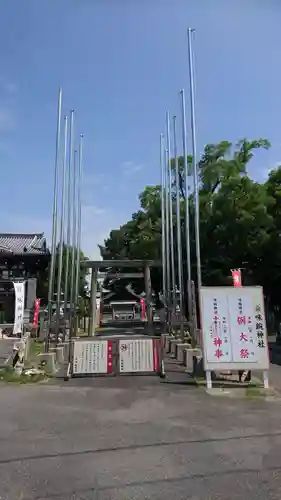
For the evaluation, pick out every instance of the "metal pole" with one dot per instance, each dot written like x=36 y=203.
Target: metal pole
x=171 y=213
x=78 y=245
x=187 y=225
x=93 y=302
x=61 y=249
x=167 y=229
x=69 y=205
x=164 y=265
x=55 y=216
x=74 y=240
x=194 y=162
x=178 y=223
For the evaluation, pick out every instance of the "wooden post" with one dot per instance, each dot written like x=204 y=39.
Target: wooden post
x=148 y=293
x=93 y=302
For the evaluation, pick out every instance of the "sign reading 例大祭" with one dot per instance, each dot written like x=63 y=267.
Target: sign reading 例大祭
x=234 y=329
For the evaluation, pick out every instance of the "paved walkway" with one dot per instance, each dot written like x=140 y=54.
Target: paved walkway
x=136 y=438
x=6 y=350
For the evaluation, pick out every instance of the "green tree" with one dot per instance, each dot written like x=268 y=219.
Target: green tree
x=240 y=220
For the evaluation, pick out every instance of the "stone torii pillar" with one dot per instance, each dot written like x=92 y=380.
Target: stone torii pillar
x=93 y=302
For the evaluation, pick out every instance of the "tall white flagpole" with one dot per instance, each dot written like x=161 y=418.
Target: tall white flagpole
x=187 y=219
x=79 y=216
x=178 y=224
x=163 y=246
x=167 y=234
x=55 y=222
x=194 y=161
x=61 y=245
x=69 y=206
x=172 y=253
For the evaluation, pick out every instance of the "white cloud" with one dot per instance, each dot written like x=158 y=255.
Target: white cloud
x=130 y=168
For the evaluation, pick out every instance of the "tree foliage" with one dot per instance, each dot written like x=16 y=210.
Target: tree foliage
x=240 y=221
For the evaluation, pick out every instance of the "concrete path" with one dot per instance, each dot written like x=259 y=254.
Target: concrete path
x=6 y=350
x=136 y=438
x=121 y=329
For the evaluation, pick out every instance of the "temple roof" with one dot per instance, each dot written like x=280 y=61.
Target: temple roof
x=23 y=244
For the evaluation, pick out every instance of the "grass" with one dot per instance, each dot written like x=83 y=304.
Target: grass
x=253 y=392
x=35 y=348
x=7 y=375
x=259 y=392
x=200 y=380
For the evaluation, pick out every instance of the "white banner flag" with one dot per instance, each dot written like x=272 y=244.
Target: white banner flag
x=19 y=306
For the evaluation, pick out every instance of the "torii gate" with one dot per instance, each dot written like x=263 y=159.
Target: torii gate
x=95 y=265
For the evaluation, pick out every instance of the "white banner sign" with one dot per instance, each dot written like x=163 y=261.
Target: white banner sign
x=19 y=306
x=234 y=328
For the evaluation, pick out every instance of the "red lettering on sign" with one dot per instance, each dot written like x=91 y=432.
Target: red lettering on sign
x=218 y=353
x=217 y=342
x=241 y=320
x=109 y=357
x=244 y=353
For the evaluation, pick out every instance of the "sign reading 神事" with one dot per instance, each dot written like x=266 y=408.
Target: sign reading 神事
x=234 y=329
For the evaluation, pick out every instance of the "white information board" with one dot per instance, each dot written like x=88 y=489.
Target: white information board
x=136 y=355
x=234 y=328
x=90 y=357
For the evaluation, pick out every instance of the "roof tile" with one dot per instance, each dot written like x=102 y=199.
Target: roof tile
x=23 y=243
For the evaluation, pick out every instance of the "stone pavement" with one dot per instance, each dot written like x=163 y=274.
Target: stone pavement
x=6 y=350
x=136 y=438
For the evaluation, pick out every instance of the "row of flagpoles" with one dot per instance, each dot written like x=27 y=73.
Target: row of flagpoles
x=172 y=278
x=68 y=192
x=66 y=235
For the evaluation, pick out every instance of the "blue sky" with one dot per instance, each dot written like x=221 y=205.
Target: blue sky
x=121 y=64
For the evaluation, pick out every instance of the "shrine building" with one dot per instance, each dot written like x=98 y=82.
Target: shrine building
x=23 y=257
